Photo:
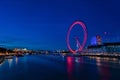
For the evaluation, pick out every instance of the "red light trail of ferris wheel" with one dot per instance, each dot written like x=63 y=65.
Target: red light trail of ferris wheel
x=81 y=46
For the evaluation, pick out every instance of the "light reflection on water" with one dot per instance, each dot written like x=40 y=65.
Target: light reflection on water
x=70 y=67
x=16 y=60
x=1 y=61
x=99 y=61
x=103 y=67
x=108 y=62
x=60 y=68
x=10 y=62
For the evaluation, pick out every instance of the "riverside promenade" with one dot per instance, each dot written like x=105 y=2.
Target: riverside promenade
x=10 y=54
x=114 y=55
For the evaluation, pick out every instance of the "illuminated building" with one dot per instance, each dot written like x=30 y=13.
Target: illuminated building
x=105 y=48
x=112 y=47
x=24 y=50
x=97 y=40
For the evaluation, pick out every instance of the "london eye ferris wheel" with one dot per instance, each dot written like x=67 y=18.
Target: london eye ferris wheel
x=79 y=45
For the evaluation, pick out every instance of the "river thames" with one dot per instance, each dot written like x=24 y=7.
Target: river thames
x=50 y=67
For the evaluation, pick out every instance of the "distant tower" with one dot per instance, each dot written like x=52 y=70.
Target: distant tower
x=97 y=40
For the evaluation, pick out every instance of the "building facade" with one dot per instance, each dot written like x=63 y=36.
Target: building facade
x=111 y=48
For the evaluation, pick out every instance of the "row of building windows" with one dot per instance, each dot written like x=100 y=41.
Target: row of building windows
x=105 y=48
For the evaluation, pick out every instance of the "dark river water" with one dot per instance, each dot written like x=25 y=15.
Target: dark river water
x=49 y=67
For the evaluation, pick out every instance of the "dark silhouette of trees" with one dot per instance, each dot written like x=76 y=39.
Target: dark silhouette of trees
x=3 y=50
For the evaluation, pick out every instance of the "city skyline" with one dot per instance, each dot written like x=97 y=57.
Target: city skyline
x=44 y=24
